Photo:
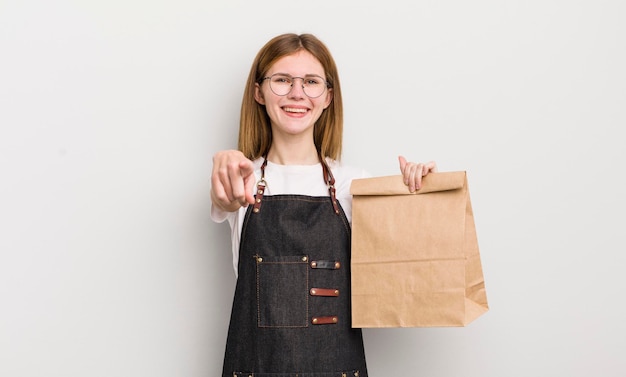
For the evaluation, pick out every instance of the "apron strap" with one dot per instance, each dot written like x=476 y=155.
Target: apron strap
x=330 y=182
x=260 y=188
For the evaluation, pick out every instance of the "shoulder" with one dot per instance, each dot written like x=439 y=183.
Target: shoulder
x=257 y=164
x=344 y=174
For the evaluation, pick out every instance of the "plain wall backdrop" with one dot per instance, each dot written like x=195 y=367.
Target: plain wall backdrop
x=110 y=112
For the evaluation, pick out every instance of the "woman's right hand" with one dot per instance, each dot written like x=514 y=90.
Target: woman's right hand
x=232 y=180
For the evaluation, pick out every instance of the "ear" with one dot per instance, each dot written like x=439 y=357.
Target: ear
x=329 y=98
x=258 y=94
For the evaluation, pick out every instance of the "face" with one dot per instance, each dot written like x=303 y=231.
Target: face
x=294 y=113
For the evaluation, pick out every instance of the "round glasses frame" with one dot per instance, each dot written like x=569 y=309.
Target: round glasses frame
x=290 y=81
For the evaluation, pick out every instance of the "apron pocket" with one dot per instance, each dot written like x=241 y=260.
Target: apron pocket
x=282 y=291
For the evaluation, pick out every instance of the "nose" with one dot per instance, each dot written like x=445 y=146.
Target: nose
x=297 y=88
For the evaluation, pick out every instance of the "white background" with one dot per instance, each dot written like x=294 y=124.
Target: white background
x=110 y=112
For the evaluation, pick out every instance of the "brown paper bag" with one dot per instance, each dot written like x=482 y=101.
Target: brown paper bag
x=415 y=258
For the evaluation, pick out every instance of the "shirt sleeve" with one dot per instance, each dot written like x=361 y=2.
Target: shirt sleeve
x=217 y=214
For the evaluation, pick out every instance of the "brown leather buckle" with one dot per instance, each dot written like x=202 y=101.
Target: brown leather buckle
x=260 y=189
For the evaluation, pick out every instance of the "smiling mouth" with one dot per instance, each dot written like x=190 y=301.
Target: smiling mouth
x=292 y=110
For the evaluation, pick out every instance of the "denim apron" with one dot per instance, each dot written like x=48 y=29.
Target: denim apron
x=291 y=310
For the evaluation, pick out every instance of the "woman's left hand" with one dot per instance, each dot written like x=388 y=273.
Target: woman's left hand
x=413 y=172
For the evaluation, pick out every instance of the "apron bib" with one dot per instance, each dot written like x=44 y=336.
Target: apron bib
x=291 y=310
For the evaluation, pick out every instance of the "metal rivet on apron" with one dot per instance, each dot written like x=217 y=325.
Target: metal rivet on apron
x=313 y=264
x=259 y=259
x=304 y=258
x=314 y=320
x=337 y=292
x=313 y=291
x=344 y=375
x=356 y=374
x=255 y=210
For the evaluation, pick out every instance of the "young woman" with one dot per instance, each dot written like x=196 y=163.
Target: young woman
x=286 y=197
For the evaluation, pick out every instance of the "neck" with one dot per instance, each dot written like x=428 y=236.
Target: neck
x=293 y=154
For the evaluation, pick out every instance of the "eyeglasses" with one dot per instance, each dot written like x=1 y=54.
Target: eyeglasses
x=313 y=86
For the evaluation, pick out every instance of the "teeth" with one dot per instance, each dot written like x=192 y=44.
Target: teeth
x=289 y=109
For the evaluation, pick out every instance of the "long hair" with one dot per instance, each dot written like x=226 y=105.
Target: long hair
x=255 y=132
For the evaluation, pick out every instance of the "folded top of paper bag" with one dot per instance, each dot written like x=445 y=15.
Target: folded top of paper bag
x=394 y=185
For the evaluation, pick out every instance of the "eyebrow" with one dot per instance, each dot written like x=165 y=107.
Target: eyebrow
x=307 y=75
